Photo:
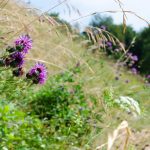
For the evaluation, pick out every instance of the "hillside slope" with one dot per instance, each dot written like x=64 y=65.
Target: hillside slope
x=53 y=45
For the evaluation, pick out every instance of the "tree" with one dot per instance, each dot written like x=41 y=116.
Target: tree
x=142 y=49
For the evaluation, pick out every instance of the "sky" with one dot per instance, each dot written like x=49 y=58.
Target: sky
x=85 y=7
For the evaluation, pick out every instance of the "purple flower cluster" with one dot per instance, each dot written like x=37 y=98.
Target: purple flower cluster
x=37 y=74
x=23 y=43
x=15 y=60
x=132 y=57
x=103 y=27
x=148 y=78
x=109 y=44
x=17 y=52
x=134 y=70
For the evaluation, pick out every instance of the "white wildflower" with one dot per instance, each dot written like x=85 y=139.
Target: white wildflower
x=128 y=104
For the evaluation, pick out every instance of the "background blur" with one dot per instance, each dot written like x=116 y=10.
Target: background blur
x=85 y=7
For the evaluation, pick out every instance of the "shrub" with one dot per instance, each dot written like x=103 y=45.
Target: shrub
x=62 y=106
x=16 y=129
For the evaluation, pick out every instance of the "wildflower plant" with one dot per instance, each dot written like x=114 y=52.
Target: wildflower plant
x=148 y=78
x=61 y=105
x=128 y=104
x=108 y=97
x=123 y=102
x=23 y=43
x=14 y=59
x=37 y=74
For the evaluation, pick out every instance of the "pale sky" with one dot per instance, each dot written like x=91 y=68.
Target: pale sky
x=140 y=7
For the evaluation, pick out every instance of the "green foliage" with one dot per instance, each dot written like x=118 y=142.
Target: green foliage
x=98 y=21
x=18 y=130
x=57 y=115
x=126 y=37
x=108 y=97
x=142 y=49
x=63 y=107
x=12 y=88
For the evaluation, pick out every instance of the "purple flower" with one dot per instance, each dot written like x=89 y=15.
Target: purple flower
x=129 y=55
x=148 y=76
x=134 y=70
x=23 y=43
x=109 y=44
x=103 y=27
x=134 y=58
x=15 y=60
x=37 y=74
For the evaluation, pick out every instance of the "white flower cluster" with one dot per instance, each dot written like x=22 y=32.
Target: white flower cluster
x=128 y=104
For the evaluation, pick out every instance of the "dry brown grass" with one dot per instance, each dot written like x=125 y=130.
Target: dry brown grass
x=49 y=45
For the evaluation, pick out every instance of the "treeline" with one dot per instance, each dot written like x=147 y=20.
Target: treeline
x=137 y=42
